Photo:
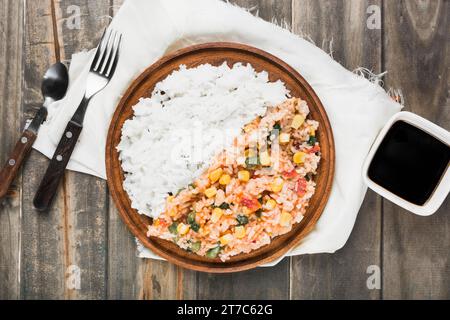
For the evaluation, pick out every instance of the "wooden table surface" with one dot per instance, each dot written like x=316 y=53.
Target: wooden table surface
x=391 y=254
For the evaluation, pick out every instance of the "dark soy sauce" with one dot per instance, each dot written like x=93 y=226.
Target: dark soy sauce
x=409 y=163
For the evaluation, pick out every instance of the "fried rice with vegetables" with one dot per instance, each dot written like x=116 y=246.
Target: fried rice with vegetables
x=255 y=190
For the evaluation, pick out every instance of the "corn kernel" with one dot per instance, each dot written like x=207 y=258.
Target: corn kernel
x=210 y=192
x=172 y=212
x=312 y=132
x=215 y=175
x=299 y=157
x=225 y=239
x=297 y=121
x=264 y=158
x=271 y=204
x=239 y=232
x=285 y=219
x=285 y=138
x=170 y=198
x=225 y=179
x=216 y=214
x=277 y=185
x=244 y=175
x=182 y=229
x=250 y=153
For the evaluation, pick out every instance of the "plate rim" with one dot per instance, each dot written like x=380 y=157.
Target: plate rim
x=110 y=150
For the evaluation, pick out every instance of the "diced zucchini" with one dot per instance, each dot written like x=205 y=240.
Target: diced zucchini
x=195 y=246
x=195 y=227
x=242 y=220
x=191 y=221
x=252 y=162
x=224 y=206
x=312 y=140
x=191 y=217
x=212 y=253
x=173 y=228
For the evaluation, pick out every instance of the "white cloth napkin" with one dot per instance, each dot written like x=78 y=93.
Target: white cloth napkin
x=357 y=108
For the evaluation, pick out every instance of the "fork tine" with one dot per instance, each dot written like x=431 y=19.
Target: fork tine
x=97 y=51
x=114 y=58
x=102 y=47
x=110 y=49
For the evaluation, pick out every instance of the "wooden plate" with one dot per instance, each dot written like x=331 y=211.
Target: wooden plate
x=216 y=54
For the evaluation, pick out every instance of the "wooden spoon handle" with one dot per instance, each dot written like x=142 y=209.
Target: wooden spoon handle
x=15 y=160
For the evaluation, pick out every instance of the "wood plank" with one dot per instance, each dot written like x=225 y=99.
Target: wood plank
x=123 y=280
x=43 y=256
x=87 y=214
x=261 y=283
x=130 y=277
x=416 y=255
x=71 y=238
x=11 y=71
x=342 y=275
x=157 y=280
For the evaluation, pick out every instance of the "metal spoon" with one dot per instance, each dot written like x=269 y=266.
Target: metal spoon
x=54 y=88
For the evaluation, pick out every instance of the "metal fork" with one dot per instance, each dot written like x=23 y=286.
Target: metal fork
x=102 y=70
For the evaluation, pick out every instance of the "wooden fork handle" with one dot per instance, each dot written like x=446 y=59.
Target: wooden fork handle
x=55 y=171
x=15 y=160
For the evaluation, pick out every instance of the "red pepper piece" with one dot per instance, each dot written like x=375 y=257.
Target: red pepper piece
x=300 y=187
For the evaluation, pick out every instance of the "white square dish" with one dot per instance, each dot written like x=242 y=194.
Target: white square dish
x=443 y=187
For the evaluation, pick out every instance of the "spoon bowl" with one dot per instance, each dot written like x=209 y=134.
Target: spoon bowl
x=55 y=82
